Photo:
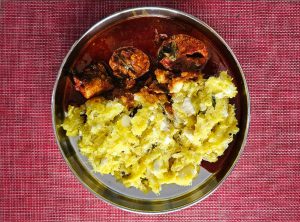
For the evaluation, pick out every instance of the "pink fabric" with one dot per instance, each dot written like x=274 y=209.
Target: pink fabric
x=35 y=182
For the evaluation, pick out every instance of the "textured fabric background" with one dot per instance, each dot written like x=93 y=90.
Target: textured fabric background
x=35 y=182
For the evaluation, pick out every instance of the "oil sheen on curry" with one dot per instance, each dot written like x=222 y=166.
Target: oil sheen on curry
x=153 y=101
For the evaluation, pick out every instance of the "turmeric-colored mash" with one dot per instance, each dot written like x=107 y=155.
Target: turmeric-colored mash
x=147 y=146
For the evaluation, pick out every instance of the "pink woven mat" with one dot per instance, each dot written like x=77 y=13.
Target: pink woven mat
x=35 y=182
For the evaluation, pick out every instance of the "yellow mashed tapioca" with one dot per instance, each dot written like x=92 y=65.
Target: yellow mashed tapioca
x=152 y=147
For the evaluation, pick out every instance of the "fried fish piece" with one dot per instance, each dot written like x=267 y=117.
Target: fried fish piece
x=162 y=76
x=182 y=53
x=129 y=63
x=93 y=80
x=167 y=77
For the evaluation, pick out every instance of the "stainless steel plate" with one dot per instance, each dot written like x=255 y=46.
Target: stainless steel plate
x=172 y=197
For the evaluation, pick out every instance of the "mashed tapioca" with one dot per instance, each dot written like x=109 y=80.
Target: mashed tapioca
x=150 y=147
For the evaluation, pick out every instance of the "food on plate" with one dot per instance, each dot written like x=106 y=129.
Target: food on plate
x=182 y=53
x=160 y=132
x=171 y=80
x=147 y=146
x=129 y=63
x=93 y=80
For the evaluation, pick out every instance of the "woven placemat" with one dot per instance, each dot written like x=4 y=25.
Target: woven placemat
x=35 y=182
